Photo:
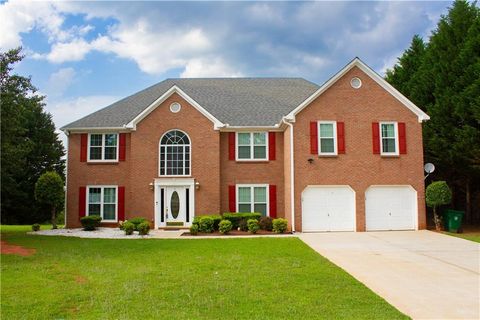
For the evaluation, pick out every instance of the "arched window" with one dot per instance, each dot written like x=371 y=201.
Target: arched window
x=175 y=154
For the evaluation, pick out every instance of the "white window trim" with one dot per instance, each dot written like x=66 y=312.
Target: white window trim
x=335 y=146
x=102 y=187
x=395 y=126
x=252 y=204
x=160 y=145
x=103 y=147
x=252 y=147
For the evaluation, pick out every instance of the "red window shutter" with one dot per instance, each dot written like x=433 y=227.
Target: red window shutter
x=123 y=147
x=376 y=138
x=121 y=203
x=272 y=190
x=83 y=147
x=272 y=145
x=82 y=202
x=340 y=137
x=231 y=146
x=402 y=138
x=232 y=205
x=313 y=137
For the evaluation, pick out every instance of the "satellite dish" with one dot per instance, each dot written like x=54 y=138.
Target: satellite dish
x=429 y=168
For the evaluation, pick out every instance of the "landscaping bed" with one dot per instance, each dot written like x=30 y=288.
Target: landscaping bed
x=234 y=233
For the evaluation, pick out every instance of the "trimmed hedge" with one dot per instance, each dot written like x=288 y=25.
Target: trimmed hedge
x=279 y=225
x=194 y=229
x=35 y=227
x=206 y=224
x=216 y=220
x=90 y=223
x=143 y=228
x=236 y=217
x=253 y=226
x=128 y=227
x=225 y=227
x=265 y=223
x=136 y=221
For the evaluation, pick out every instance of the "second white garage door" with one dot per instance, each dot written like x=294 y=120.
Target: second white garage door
x=390 y=208
x=328 y=208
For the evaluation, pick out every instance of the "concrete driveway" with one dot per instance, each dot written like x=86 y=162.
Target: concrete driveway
x=424 y=274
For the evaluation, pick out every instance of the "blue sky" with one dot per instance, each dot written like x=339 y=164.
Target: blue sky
x=85 y=55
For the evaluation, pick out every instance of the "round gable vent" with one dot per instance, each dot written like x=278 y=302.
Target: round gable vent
x=175 y=107
x=356 y=83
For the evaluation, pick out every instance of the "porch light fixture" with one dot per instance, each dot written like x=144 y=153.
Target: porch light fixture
x=151 y=185
x=197 y=185
x=310 y=160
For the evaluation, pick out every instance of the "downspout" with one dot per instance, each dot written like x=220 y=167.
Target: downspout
x=292 y=176
x=66 y=183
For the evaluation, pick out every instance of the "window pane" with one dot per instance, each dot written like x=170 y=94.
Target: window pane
x=244 y=152
x=109 y=195
x=95 y=140
x=95 y=153
x=260 y=208
x=260 y=194
x=110 y=153
x=388 y=145
x=94 y=209
x=260 y=152
x=244 y=139
x=244 y=194
x=326 y=130
x=259 y=138
x=244 y=208
x=327 y=145
x=94 y=195
x=388 y=130
x=111 y=140
x=109 y=212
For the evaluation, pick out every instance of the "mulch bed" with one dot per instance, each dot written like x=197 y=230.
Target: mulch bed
x=7 y=248
x=236 y=233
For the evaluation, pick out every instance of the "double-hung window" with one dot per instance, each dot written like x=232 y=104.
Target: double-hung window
x=102 y=201
x=327 y=138
x=389 y=138
x=252 y=146
x=252 y=198
x=103 y=147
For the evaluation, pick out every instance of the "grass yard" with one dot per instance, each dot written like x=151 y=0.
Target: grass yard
x=468 y=235
x=262 y=278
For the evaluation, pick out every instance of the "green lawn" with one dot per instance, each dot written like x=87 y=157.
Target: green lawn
x=262 y=278
x=473 y=236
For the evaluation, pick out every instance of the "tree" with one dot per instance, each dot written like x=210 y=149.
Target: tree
x=29 y=143
x=49 y=191
x=444 y=80
x=437 y=194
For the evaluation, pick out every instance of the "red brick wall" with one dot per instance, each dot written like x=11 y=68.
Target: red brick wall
x=358 y=167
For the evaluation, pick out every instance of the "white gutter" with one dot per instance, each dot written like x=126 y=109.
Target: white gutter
x=292 y=176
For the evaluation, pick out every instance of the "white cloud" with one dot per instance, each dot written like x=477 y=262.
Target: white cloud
x=61 y=52
x=209 y=67
x=59 y=81
x=264 y=12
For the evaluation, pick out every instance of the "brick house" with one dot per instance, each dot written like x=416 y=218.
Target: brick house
x=344 y=156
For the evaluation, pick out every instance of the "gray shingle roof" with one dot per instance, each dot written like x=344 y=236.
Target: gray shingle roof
x=234 y=101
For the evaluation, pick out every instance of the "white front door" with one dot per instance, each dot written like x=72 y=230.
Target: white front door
x=175 y=206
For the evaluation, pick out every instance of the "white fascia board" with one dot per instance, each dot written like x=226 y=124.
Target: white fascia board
x=174 y=89
x=94 y=129
x=229 y=128
x=422 y=116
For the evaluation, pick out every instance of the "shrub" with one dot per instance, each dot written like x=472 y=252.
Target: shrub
x=265 y=223
x=437 y=194
x=225 y=226
x=143 y=228
x=216 y=220
x=120 y=224
x=136 y=221
x=235 y=218
x=128 y=227
x=206 y=224
x=194 y=229
x=253 y=225
x=90 y=223
x=35 y=227
x=279 y=225
x=242 y=225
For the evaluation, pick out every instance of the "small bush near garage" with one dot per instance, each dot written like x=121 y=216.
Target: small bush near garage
x=253 y=226
x=194 y=229
x=136 y=221
x=35 y=227
x=235 y=218
x=279 y=225
x=206 y=224
x=224 y=226
x=143 y=228
x=265 y=223
x=90 y=223
x=128 y=227
x=437 y=194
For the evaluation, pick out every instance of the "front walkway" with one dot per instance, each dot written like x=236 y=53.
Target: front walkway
x=424 y=274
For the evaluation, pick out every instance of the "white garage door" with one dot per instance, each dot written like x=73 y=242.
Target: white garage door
x=390 y=208
x=328 y=208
